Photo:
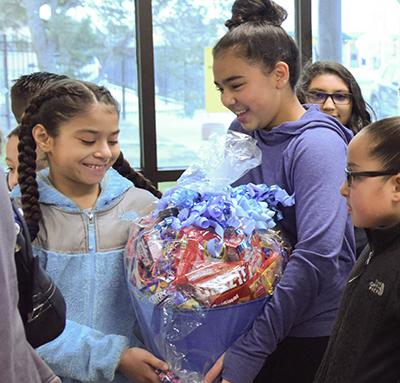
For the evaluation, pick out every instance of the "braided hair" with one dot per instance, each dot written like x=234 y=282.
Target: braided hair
x=55 y=104
x=26 y=86
x=121 y=165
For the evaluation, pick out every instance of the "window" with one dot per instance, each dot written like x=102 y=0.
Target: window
x=182 y=31
x=366 y=42
x=150 y=54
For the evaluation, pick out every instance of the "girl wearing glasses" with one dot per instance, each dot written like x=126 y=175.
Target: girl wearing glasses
x=365 y=341
x=332 y=86
x=256 y=66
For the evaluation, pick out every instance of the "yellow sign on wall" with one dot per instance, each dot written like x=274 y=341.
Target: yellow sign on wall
x=213 y=96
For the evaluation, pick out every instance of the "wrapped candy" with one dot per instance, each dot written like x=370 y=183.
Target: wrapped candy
x=202 y=266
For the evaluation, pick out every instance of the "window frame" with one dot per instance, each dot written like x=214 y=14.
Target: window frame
x=146 y=83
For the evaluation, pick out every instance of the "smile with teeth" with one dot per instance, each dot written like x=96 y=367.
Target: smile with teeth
x=96 y=167
x=238 y=112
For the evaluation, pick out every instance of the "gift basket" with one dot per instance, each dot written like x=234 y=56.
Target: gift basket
x=201 y=267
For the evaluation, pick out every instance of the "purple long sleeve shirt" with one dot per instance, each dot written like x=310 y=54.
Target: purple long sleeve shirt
x=306 y=157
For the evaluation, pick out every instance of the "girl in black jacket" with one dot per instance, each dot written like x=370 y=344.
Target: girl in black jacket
x=365 y=341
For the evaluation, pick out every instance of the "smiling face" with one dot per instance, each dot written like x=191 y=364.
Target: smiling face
x=330 y=83
x=85 y=148
x=371 y=200
x=252 y=95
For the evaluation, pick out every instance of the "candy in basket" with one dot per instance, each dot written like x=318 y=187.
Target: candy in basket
x=202 y=266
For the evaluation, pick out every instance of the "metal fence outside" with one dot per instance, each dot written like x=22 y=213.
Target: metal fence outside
x=16 y=57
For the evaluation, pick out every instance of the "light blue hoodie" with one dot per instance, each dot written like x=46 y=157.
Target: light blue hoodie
x=83 y=251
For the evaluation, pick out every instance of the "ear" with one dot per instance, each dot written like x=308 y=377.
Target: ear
x=43 y=140
x=396 y=190
x=282 y=74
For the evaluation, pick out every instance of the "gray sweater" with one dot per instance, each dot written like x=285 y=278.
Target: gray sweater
x=19 y=363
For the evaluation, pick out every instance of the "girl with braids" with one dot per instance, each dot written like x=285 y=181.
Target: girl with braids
x=336 y=91
x=79 y=211
x=256 y=67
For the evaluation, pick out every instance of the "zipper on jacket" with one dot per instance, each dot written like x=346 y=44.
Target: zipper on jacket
x=366 y=263
x=92 y=252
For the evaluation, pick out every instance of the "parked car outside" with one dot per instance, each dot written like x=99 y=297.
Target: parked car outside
x=385 y=99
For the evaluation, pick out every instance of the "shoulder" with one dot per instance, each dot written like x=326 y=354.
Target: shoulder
x=319 y=132
x=318 y=145
x=315 y=119
x=143 y=201
x=317 y=156
x=137 y=193
x=316 y=135
x=113 y=187
x=113 y=177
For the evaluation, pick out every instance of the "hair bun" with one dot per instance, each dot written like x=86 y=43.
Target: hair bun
x=266 y=11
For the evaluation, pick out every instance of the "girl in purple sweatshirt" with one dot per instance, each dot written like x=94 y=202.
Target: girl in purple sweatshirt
x=256 y=67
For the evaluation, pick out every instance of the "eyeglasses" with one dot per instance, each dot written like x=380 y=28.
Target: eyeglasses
x=351 y=175
x=340 y=98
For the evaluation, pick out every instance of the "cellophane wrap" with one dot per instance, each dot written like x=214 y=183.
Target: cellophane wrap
x=201 y=267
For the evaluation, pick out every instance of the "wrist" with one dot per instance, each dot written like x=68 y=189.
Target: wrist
x=122 y=357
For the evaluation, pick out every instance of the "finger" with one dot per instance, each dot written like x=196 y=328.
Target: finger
x=158 y=364
x=214 y=371
x=211 y=375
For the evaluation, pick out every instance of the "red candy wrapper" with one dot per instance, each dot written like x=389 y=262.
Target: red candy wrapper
x=183 y=263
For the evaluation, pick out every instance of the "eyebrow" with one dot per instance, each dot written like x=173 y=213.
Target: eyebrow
x=322 y=90
x=351 y=165
x=229 y=79
x=96 y=132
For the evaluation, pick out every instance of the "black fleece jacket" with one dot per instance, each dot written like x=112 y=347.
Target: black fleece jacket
x=365 y=341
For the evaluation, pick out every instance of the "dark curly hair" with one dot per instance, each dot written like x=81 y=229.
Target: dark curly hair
x=360 y=116
x=57 y=103
x=256 y=35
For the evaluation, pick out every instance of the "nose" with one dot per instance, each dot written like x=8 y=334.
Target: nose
x=344 y=189
x=103 y=151
x=328 y=104
x=228 y=99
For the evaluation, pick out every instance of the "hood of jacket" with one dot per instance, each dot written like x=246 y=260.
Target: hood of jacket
x=313 y=118
x=113 y=186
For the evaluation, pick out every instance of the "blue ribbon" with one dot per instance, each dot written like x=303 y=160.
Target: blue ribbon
x=247 y=206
